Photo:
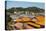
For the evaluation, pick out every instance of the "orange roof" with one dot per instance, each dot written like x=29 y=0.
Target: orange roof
x=24 y=19
x=41 y=19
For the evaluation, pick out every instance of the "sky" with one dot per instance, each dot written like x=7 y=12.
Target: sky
x=23 y=4
x=28 y=0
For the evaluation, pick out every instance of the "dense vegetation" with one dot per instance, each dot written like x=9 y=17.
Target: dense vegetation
x=30 y=9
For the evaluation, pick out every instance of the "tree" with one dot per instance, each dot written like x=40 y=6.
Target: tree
x=8 y=19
